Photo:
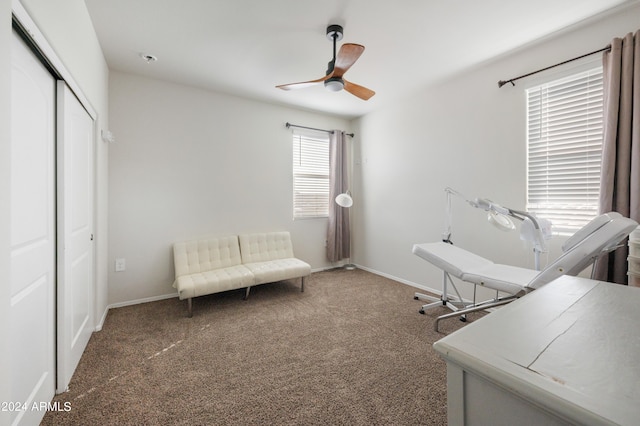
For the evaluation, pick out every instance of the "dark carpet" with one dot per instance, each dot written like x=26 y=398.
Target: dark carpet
x=351 y=350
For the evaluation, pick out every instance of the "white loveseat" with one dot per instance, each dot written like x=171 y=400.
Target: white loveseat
x=213 y=265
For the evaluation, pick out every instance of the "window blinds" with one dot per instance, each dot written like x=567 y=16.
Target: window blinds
x=564 y=146
x=310 y=174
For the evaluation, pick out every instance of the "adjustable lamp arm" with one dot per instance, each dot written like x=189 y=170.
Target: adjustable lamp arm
x=446 y=235
x=488 y=205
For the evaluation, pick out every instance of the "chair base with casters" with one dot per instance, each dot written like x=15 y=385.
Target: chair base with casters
x=454 y=303
x=602 y=235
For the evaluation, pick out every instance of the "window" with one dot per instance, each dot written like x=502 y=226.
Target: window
x=310 y=174
x=564 y=147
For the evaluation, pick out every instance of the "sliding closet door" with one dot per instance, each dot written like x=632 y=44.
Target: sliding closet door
x=33 y=233
x=75 y=232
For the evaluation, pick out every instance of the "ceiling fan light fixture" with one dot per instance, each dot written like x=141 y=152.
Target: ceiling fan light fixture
x=334 y=84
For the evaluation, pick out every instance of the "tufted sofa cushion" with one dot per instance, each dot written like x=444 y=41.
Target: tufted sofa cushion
x=269 y=256
x=209 y=266
x=205 y=255
x=217 y=280
x=265 y=246
x=278 y=270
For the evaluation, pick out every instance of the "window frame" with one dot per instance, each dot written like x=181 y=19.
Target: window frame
x=568 y=217
x=316 y=174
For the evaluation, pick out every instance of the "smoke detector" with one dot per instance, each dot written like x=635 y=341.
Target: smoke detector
x=148 y=58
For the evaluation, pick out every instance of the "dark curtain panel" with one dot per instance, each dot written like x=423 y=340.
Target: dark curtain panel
x=620 y=179
x=338 y=234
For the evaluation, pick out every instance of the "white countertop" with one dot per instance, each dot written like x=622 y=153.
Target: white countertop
x=572 y=346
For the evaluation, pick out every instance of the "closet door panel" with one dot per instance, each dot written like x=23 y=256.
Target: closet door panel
x=75 y=232
x=33 y=233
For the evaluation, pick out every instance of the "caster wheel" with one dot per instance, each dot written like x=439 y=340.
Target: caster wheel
x=416 y=298
x=463 y=319
x=421 y=311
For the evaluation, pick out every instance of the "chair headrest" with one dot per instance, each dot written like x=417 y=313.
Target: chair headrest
x=604 y=239
x=589 y=229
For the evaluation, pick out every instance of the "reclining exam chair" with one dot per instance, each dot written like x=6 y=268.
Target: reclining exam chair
x=602 y=235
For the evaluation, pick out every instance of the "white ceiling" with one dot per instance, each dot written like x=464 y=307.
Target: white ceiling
x=246 y=47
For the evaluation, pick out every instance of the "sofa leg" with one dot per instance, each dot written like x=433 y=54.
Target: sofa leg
x=246 y=293
x=189 y=308
x=302 y=284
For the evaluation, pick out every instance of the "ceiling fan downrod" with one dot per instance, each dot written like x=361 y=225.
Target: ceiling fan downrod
x=334 y=84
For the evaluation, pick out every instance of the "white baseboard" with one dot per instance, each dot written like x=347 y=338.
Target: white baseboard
x=143 y=300
x=132 y=302
x=401 y=280
x=102 y=319
x=325 y=268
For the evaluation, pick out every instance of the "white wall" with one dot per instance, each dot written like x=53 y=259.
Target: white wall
x=69 y=31
x=189 y=163
x=464 y=133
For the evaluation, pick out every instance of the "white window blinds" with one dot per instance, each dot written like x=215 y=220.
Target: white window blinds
x=564 y=146
x=310 y=174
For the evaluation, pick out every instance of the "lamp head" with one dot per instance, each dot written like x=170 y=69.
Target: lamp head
x=500 y=220
x=344 y=200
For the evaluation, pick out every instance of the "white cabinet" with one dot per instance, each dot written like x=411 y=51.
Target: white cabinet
x=568 y=353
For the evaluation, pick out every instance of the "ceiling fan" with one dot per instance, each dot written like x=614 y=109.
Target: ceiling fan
x=333 y=80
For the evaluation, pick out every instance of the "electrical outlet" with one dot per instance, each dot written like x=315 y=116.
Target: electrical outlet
x=121 y=265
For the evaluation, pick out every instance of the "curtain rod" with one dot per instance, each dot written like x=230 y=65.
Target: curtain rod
x=511 y=80
x=312 y=128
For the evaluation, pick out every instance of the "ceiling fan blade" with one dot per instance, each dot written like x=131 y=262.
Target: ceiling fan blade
x=347 y=56
x=357 y=90
x=304 y=84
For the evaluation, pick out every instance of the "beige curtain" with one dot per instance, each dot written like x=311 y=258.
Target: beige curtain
x=620 y=178
x=338 y=234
